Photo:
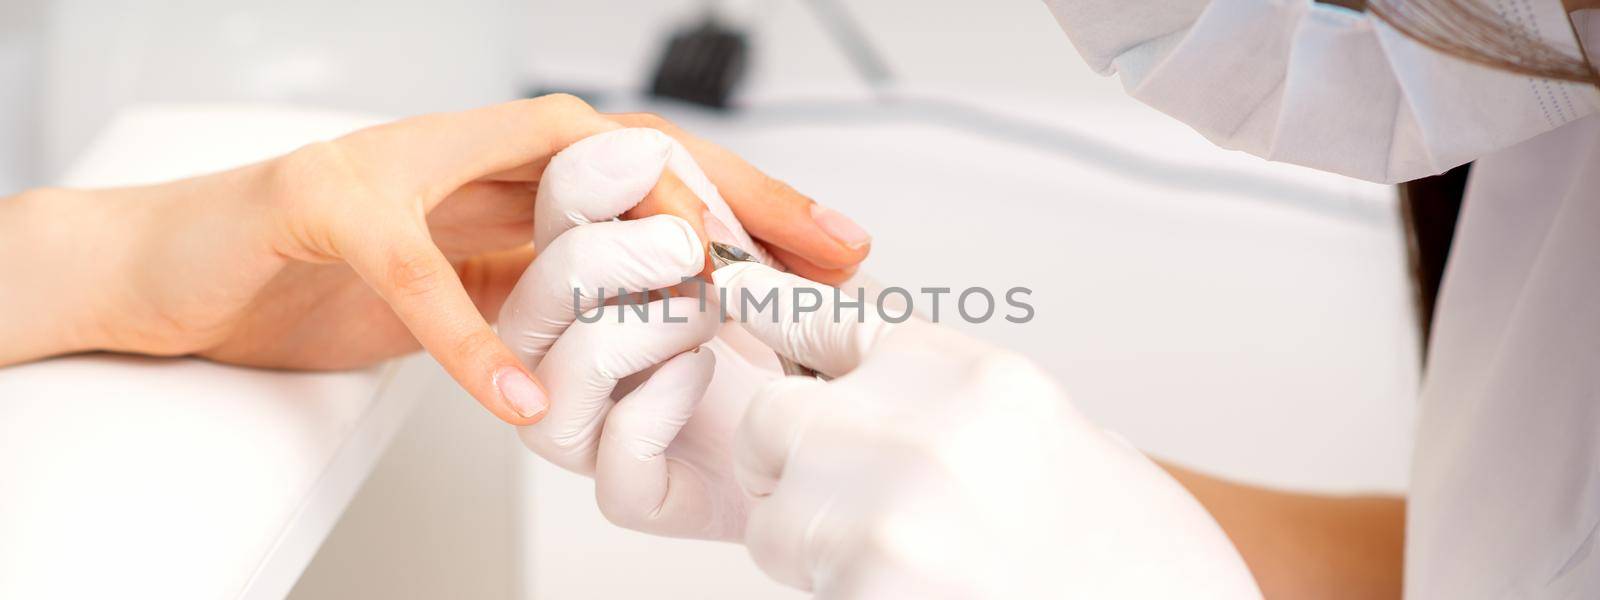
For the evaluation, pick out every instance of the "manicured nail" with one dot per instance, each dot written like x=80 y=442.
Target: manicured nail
x=840 y=227
x=520 y=392
x=716 y=229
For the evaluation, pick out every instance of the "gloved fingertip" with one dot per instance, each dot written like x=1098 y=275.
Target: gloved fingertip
x=626 y=153
x=693 y=255
x=729 y=276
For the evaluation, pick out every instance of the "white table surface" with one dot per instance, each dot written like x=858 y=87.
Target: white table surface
x=131 y=477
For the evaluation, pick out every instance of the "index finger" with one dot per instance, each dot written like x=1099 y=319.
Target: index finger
x=429 y=156
x=771 y=210
x=401 y=263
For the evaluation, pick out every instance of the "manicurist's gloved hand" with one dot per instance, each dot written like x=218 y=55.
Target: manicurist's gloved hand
x=937 y=466
x=350 y=251
x=634 y=402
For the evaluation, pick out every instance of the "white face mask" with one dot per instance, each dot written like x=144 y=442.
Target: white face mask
x=1322 y=86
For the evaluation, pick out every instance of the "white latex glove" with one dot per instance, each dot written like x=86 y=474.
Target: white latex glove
x=660 y=455
x=937 y=466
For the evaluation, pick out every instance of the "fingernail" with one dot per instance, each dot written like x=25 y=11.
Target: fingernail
x=520 y=392
x=716 y=229
x=840 y=227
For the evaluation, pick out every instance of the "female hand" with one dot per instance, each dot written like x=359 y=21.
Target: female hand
x=936 y=466
x=337 y=255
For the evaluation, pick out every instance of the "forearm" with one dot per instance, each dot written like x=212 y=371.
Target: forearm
x=58 y=249
x=85 y=270
x=1308 y=546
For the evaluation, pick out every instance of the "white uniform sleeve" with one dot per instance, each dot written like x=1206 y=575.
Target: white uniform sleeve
x=1322 y=86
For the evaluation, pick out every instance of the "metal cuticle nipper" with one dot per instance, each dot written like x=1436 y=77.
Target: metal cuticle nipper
x=723 y=255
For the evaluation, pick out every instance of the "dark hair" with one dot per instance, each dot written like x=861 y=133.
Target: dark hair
x=1474 y=31
x=1429 y=207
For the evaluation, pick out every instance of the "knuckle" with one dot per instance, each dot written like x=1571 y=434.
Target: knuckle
x=1014 y=380
x=574 y=449
x=650 y=120
x=796 y=337
x=575 y=291
x=561 y=103
x=619 y=427
x=565 y=445
x=774 y=187
x=594 y=317
x=574 y=240
x=613 y=510
x=412 y=273
x=569 y=450
x=476 y=343
x=533 y=438
x=617 y=508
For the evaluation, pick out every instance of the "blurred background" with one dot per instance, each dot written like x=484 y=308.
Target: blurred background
x=1247 y=318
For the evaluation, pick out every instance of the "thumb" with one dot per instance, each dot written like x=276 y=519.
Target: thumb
x=404 y=266
x=812 y=323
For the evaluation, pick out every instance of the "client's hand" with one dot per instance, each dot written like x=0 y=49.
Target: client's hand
x=342 y=253
x=635 y=403
x=937 y=466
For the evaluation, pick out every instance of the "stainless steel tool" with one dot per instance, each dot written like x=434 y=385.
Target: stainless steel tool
x=723 y=255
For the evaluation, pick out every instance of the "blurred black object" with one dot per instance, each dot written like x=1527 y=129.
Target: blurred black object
x=702 y=65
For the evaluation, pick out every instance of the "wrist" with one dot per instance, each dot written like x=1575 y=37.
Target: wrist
x=165 y=262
